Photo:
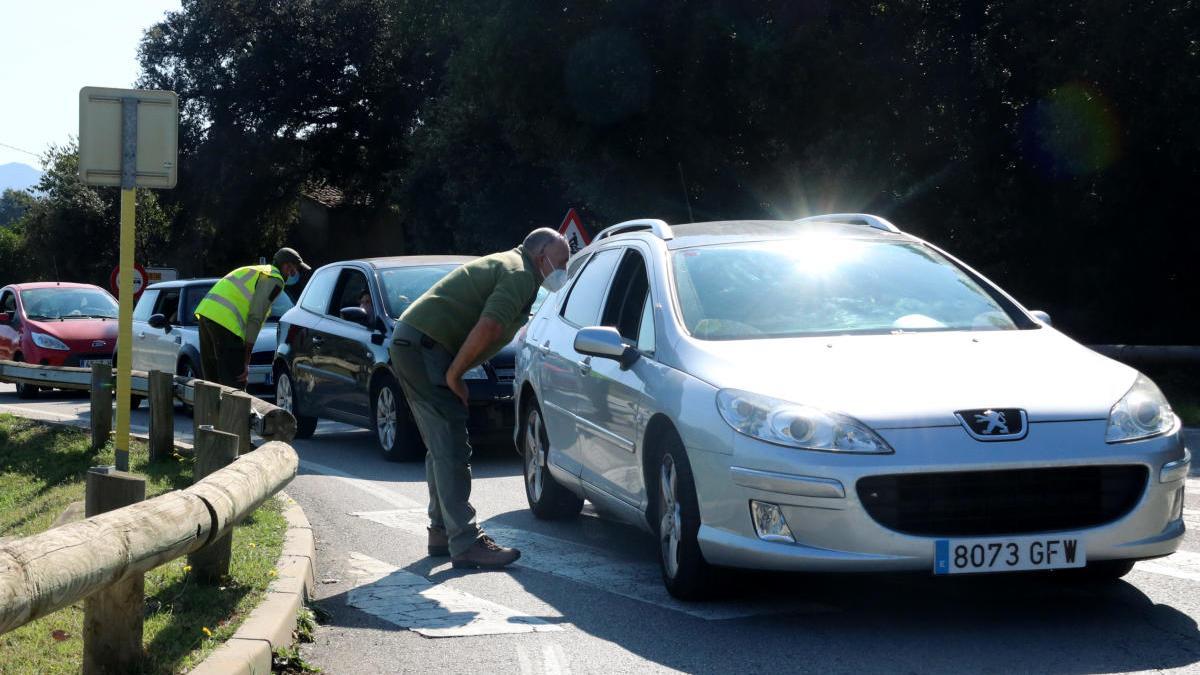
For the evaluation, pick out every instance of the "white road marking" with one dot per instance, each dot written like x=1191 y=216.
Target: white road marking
x=634 y=579
x=434 y=610
x=38 y=412
x=389 y=496
x=554 y=660
x=1180 y=564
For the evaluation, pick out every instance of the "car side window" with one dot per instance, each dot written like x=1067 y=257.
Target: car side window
x=8 y=304
x=645 y=341
x=316 y=293
x=583 y=305
x=350 y=290
x=145 y=305
x=192 y=295
x=168 y=305
x=626 y=297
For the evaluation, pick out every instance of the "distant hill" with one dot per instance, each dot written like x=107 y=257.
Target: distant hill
x=18 y=176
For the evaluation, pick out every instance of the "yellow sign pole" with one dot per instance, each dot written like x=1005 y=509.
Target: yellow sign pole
x=125 y=326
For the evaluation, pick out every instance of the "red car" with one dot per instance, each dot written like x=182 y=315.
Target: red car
x=56 y=324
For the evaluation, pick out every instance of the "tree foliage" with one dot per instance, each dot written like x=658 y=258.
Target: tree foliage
x=1048 y=144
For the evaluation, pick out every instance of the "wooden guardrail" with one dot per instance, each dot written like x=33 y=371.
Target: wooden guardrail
x=266 y=420
x=102 y=559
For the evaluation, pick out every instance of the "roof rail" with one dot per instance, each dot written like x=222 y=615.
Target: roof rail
x=852 y=219
x=656 y=226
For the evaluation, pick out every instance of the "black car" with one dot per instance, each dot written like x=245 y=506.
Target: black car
x=332 y=357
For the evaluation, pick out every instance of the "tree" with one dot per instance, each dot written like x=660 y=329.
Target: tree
x=13 y=205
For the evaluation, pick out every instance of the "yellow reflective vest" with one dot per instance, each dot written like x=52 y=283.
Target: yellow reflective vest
x=228 y=303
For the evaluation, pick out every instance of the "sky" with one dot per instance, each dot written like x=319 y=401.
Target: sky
x=49 y=49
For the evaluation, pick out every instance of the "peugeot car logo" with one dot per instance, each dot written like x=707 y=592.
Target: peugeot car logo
x=98 y=343
x=994 y=424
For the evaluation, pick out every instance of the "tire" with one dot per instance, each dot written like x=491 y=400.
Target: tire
x=399 y=440
x=26 y=391
x=548 y=499
x=685 y=572
x=286 y=398
x=187 y=370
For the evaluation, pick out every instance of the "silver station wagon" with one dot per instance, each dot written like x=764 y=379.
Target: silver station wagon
x=832 y=394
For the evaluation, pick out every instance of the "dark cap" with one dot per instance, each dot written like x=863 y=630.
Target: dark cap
x=289 y=255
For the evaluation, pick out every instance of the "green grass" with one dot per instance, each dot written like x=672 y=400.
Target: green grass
x=43 y=471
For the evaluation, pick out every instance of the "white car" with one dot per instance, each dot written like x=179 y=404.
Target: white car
x=166 y=336
x=833 y=394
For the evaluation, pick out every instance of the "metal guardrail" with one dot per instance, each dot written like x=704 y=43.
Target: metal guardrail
x=267 y=421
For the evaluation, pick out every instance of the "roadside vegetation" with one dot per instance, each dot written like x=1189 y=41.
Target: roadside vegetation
x=43 y=472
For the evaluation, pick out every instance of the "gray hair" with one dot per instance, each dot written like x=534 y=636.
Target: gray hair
x=536 y=242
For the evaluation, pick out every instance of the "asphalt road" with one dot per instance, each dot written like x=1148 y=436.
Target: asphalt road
x=585 y=597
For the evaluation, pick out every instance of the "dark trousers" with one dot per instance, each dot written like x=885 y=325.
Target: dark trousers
x=222 y=354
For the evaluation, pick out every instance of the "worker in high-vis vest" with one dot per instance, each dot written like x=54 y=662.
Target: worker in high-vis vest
x=233 y=312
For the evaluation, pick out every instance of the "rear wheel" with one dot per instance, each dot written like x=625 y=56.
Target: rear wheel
x=285 y=398
x=399 y=440
x=547 y=499
x=684 y=571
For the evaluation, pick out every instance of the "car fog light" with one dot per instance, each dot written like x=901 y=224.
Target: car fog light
x=1173 y=471
x=769 y=522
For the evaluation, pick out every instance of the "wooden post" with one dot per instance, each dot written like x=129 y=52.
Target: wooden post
x=234 y=418
x=206 y=400
x=162 y=415
x=102 y=404
x=214 y=451
x=112 y=618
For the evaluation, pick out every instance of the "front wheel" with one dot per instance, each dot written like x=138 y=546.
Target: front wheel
x=399 y=440
x=684 y=571
x=547 y=499
x=285 y=398
x=27 y=391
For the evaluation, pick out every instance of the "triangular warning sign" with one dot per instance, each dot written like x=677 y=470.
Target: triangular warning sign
x=572 y=229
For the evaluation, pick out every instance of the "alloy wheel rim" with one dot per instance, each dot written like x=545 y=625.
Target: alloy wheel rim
x=385 y=418
x=671 y=524
x=283 y=393
x=535 y=456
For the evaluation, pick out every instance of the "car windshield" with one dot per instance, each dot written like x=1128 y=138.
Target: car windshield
x=283 y=302
x=193 y=297
x=68 y=303
x=820 y=285
x=402 y=285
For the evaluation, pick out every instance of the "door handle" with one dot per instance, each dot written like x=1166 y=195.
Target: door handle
x=545 y=347
x=316 y=340
x=585 y=366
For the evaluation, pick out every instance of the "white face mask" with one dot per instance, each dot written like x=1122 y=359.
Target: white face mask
x=555 y=280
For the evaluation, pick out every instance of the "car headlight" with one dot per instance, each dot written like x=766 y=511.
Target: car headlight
x=476 y=373
x=49 y=342
x=797 y=426
x=1141 y=413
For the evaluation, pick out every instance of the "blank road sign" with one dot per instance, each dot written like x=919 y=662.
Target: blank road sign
x=100 y=136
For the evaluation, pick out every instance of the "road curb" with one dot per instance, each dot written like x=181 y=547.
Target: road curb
x=270 y=625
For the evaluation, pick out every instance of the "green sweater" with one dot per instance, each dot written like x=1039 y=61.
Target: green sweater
x=501 y=286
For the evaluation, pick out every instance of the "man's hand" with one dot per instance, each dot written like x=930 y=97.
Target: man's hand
x=245 y=376
x=456 y=384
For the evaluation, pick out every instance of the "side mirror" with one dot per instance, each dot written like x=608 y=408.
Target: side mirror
x=356 y=314
x=157 y=321
x=606 y=343
x=1041 y=316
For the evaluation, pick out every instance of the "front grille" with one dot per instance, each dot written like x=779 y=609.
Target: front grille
x=1021 y=501
x=262 y=358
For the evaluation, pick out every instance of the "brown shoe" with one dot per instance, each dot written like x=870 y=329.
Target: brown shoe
x=485 y=552
x=439 y=544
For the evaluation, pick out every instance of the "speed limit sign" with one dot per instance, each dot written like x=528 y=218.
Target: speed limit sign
x=139 y=280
